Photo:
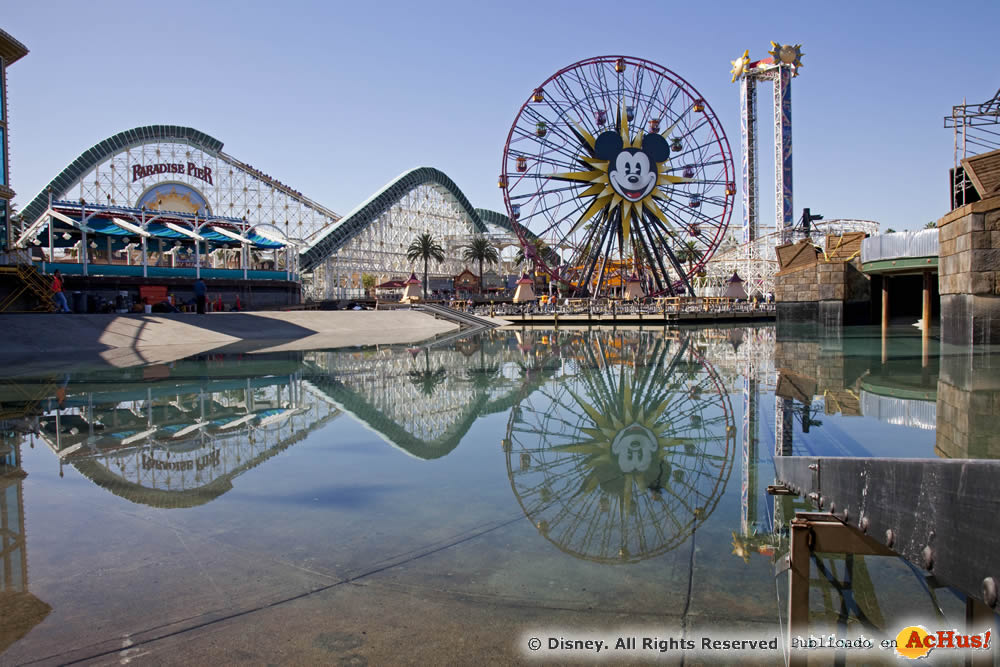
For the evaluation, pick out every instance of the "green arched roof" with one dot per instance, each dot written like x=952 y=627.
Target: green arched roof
x=369 y=211
x=96 y=154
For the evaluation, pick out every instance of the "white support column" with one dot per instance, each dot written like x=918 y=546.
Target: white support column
x=83 y=241
x=197 y=250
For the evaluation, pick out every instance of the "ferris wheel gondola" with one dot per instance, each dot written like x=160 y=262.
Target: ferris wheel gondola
x=623 y=456
x=616 y=166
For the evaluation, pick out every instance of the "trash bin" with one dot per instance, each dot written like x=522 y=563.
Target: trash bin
x=79 y=302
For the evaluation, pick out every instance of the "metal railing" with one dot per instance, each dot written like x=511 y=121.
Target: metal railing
x=900 y=411
x=604 y=307
x=900 y=244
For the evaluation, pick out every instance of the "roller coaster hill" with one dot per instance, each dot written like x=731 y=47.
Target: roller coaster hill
x=143 y=214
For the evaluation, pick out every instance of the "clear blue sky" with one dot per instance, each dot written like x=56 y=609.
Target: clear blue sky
x=336 y=99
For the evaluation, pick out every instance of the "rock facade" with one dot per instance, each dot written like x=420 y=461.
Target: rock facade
x=969 y=273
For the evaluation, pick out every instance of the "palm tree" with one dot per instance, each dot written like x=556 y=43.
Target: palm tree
x=689 y=252
x=481 y=250
x=540 y=248
x=425 y=247
x=426 y=380
x=931 y=225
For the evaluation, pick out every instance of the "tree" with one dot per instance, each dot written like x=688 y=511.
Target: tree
x=539 y=248
x=368 y=282
x=890 y=231
x=931 y=225
x=481 y=250
x=425 y=247
x=689 y=252
x=427 y=380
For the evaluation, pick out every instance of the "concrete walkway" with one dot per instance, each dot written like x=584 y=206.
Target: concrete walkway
x=37 y=341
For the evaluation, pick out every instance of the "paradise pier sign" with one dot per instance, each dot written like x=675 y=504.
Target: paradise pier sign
x=190 y=169
x=124 y=169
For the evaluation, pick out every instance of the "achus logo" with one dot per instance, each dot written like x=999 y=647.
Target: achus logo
x=916 y=641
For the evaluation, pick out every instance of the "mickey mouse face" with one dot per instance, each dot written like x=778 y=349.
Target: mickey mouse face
x=632 y=172
x=633 y=177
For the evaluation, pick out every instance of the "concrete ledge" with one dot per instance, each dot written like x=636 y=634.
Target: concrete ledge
x=123 y=340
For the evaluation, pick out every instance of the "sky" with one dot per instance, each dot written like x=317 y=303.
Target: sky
x=337 y=99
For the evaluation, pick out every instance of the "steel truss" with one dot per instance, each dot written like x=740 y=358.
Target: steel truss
x=756 y=261
x=379 y=247
x=106 y=174
x=186 y=450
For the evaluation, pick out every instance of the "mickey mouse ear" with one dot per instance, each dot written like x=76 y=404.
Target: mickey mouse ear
x=608 y=145
x=655 y=146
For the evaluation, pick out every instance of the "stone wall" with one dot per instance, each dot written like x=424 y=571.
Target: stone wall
x=968 y=423
x=797 y=284
x=969 y=273
x=831 y=293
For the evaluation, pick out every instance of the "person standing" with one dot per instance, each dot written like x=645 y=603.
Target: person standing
x=58 y=295
x=200 y=295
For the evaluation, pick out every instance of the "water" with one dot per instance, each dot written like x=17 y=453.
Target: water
x=444 y=503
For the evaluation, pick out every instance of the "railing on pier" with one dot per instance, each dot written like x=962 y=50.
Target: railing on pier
x=604 y=307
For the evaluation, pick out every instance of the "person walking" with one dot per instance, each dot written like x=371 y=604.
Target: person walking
x=200 y=295
x=58 y=295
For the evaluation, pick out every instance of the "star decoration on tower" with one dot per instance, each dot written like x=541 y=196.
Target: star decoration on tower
x=786 y=54
x=740 y=65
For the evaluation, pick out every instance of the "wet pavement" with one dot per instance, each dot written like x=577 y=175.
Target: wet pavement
x=445 y=503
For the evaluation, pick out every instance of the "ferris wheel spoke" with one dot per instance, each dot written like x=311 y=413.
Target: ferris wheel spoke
x=585 y=121
x=542 y=193
x=548 y=146
x=555 y=126
x=576 y=209
x=702 y=164
x=672 y=206
x=606 y=95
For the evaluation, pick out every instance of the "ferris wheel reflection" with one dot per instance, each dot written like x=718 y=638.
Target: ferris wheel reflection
x=623 y=455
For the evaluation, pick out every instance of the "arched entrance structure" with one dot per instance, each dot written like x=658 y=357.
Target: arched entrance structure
x=164 y=200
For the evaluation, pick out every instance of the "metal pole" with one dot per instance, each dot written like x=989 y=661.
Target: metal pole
x=798 y=588
x=244 y=251
x=145 y=246
x=83 y=237
x=51 y=232
x=926 y=314
x=197 y=250
x=885 y=316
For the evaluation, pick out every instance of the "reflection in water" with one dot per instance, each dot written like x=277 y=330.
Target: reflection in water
x=619 y=445
x=172 y=438
x=622 y=455
x=20 y=611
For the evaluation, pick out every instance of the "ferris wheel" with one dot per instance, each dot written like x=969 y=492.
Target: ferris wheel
x=624 y=456
x=617 y=166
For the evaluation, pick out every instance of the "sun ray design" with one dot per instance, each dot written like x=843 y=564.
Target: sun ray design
x=637 y=448
x=620 y=165
x=626 y=174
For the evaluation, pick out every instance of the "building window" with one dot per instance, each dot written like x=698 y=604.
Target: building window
x=3 y=157
x=3 y=224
